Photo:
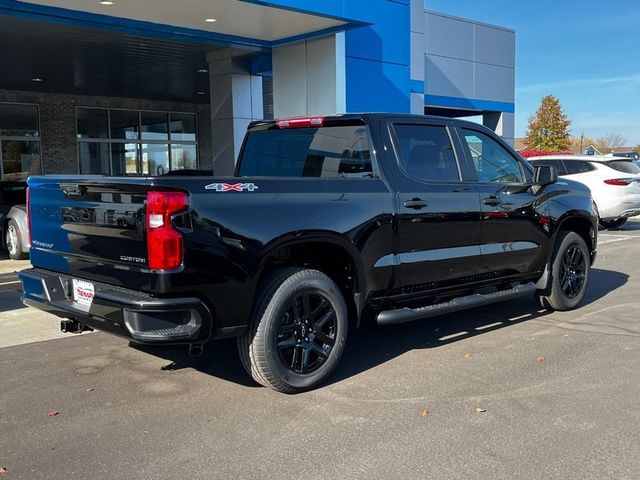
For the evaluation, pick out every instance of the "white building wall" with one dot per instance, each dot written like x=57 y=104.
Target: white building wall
x=309 y=77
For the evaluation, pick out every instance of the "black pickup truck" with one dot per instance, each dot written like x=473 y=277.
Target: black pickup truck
x=328 y=222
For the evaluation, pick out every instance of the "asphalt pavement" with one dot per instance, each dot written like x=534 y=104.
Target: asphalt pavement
x=502 y=392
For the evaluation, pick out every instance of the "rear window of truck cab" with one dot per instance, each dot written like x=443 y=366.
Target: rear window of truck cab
x=321 y=152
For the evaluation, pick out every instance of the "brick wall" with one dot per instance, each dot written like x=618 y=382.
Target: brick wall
x=58 y=123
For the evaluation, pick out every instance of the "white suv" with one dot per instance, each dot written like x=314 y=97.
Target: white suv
x=614 y=183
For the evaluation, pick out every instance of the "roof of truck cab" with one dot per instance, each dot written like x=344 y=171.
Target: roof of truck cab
x=588 y=158
x=365 y=117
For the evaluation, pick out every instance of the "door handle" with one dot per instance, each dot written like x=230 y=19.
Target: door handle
x=415 y=203
x=492 y=200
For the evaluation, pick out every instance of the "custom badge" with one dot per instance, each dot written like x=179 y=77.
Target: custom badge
x=232 y=187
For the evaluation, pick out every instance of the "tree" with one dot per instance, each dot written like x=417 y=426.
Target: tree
x=610 y=141
x=548 y=128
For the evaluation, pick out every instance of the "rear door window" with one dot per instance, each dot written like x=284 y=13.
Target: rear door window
x=426 y=152
x=625 y=166
x=557 y=164
x=577 y=166
x=328 y=152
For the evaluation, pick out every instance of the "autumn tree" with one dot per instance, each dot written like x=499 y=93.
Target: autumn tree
x=607 y=143
x=548 y=128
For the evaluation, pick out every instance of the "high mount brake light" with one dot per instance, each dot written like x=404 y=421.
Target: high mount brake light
x=618 y=181
x=300 y=122
x=164 y=242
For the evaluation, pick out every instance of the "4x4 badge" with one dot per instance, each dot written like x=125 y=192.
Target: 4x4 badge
x=232 y=187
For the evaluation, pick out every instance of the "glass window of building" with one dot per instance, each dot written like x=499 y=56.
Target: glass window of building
x=19 y=141
x=132 y=142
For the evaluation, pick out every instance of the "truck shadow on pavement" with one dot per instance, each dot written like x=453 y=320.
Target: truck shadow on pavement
x=373 y=345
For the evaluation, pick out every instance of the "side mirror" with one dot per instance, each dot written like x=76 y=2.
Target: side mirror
x=545 y=175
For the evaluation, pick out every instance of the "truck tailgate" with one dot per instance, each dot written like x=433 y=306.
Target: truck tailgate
x=90 y=227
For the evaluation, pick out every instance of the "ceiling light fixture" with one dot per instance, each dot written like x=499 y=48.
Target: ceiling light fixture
x=105 y=2
x=37 y=79
x=200 y=93
x=210 y=20
x=202 y=70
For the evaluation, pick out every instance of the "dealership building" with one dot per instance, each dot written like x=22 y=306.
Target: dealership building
x=142 y=87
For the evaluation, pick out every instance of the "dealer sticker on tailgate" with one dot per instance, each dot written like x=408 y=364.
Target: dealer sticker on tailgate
x=83 y=293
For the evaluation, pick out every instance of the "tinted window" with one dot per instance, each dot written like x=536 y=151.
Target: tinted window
x=154 y=126
x=308 y=152
x=93 y=123
x=558 y=164
x=577 y=166
x=626 y=166
x=493 y=162
x=18 y=120
x=427 y=153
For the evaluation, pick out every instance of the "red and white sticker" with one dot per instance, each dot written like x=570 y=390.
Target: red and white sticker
x=83 y=293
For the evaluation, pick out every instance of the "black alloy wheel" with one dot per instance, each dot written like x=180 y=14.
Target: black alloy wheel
x=572 y=272
x=307 y=332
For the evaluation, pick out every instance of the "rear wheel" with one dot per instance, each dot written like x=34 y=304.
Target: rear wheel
x=570 y=270
x=612 y=223
x=297 y=331
x=13 y=241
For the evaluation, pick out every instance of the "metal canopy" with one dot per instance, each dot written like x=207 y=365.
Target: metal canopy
x=50 y=57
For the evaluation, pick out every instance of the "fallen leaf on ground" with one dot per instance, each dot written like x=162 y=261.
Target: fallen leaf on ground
x=541 y=358
x=3 y=470
x=480 y=410
x=90 y=389
x=53 y=413
x=426 y=413
x=467 y=356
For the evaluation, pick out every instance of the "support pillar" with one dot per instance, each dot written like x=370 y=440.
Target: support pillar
x=503 y=123
x=236 y=101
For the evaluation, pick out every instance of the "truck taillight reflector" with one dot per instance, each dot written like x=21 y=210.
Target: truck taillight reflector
x=618 y=181
x=29 y=215
x=164 y=242
x=300 y=122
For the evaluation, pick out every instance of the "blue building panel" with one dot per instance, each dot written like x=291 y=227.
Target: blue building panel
x=379 y=86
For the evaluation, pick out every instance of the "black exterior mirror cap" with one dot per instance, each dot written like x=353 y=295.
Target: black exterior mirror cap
x=545 y=175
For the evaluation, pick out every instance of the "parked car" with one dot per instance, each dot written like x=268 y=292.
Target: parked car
x=631 y=155
x=328 y=222
x=614 y=183
x=13 y=219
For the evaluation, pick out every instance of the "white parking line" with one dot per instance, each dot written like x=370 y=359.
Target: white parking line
x=612 y=239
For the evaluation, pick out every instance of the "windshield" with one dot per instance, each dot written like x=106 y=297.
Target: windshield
x=340 y=151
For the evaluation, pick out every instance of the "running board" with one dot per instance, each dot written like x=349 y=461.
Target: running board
x=403 y=315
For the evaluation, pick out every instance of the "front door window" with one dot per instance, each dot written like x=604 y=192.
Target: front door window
x=492 y=162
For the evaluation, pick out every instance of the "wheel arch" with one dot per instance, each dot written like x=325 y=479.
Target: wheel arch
x=334 y=255
x=582 y=225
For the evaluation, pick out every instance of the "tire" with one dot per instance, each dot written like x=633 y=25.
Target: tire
x=13 y=241
x=615 y=223
x=570 y=271
x=299 y=315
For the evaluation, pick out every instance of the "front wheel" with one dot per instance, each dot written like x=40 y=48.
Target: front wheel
x=13 y=241
x=570 y=271
x=297 y=331
x=612 y=223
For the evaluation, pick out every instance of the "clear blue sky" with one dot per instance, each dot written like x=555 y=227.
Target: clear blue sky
x=585 y=52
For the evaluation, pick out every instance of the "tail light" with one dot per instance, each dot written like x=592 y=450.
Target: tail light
x=29 y=215
x=164 y=242
x=300 y=122
x=618 y=181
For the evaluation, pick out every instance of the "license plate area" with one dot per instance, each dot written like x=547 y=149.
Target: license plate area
x=83 y=293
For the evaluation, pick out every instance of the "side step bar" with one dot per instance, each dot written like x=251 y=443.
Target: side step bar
x=403 y=315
